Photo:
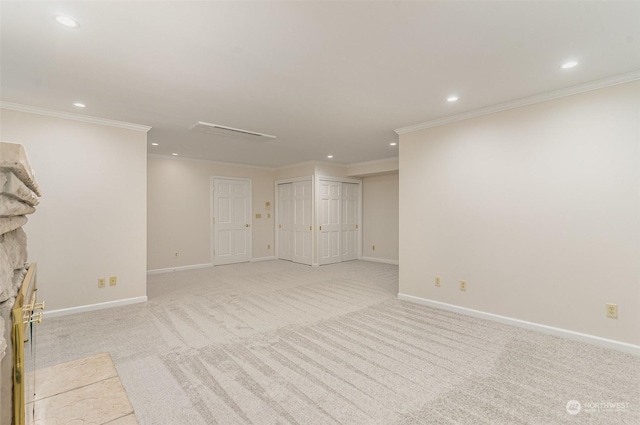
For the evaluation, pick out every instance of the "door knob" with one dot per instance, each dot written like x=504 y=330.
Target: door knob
x=247 y=225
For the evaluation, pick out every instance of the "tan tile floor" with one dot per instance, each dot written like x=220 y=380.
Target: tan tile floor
x=85 y=391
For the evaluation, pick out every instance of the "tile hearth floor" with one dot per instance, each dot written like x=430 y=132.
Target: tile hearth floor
x=85 y=391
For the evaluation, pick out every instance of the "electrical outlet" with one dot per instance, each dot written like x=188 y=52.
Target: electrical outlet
x=113 y=281
x=101 y=282
x=373 y=248
x=463 y=285
x=268 y=246
x=612 y=311
x=437 y=280
x=175 y=254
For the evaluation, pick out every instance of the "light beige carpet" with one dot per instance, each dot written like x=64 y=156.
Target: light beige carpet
x=281 y=343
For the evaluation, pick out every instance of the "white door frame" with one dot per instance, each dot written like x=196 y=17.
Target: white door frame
x=212 y=218
x=316 y=260
x=277 y=219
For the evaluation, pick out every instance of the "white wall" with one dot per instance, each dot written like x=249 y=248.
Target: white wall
x=304 y=169
x=538 y=208
x=323 y=169
x=91 y=221
x=179 y=205
x=369 y=168
x=310 y=168
x=380 y=217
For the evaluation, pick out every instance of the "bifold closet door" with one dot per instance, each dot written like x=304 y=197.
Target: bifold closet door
x=329 y=220
x=295 y=226
x=350 y=218
x=285 y=225
x=302 y=225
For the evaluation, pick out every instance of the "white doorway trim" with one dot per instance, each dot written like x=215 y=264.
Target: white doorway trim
x=212 y=217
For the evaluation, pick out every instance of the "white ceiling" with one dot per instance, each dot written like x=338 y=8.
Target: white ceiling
x=324 y=77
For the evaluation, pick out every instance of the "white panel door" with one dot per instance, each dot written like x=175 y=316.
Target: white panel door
x=350 y=216
x=232 y=221
x=302 y=226
x=285 y=225
x=329 y=219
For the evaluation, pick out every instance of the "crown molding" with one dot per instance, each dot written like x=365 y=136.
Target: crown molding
x=71 y=116
x=312 y=162
x=259 y=167
x=208 y=161
x=569 y=91
x=333 y=164
x=297 y=164
x=374 y=162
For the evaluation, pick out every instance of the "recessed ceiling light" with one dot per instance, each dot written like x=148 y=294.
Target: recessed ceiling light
x=568 y=65
x=330 y=156
x=80 y=105
x=66 y=21
x=393 y=143
x=174 y=154
x=452 y=98
x=154 y=144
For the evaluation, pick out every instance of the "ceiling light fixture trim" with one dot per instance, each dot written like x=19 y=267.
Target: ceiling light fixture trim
x=66 y=21
x=568 y=65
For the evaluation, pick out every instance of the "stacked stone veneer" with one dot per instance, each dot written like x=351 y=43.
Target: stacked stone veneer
x=18 y=197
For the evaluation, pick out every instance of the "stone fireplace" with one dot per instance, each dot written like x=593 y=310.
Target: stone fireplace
x=19 y=194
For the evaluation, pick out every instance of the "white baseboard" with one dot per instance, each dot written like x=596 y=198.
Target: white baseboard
x=253 y=260
x=550 y=330
x=180 y=268
x=381 y=260
x=92 y=307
